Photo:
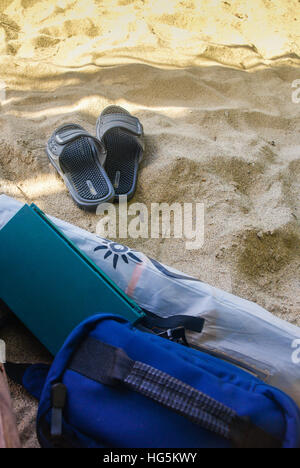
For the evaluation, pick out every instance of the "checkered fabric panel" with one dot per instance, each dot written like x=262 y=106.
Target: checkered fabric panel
x=182 y=398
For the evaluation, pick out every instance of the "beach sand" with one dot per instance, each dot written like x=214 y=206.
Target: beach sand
x=211 y=82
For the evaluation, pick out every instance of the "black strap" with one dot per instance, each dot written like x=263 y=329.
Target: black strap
x=16 y=371
x=188 y=322
x=46 y=440
x=111 y=366
x=5 y=320
x=58 y=397
x=7 y=316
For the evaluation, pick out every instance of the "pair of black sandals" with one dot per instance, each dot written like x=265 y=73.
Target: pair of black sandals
x=102 y=168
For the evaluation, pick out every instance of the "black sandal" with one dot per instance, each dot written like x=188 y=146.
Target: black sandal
x=123 y=136
x=79 y=157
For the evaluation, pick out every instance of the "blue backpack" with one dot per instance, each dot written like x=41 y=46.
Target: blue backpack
x=112 y=385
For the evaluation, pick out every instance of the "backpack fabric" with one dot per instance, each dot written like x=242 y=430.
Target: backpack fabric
x=112 y=385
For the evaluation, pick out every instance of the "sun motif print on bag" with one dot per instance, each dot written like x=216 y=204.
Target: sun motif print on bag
x=117 y=250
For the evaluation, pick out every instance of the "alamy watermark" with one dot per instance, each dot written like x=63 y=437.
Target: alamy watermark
x=296 y=92
x=296 y=353
x=161 y=220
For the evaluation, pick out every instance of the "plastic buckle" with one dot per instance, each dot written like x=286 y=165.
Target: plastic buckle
x=59 y=394
x=175 y=334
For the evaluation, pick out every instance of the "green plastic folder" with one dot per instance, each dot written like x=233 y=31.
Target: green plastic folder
x=49 y=284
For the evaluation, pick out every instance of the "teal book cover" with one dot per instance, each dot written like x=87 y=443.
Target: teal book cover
x=49 y=284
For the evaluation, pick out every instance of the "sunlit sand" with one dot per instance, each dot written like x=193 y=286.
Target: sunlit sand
x=211 y=82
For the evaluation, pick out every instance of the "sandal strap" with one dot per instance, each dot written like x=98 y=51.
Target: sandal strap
x=68 y=133
x=126 y=122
